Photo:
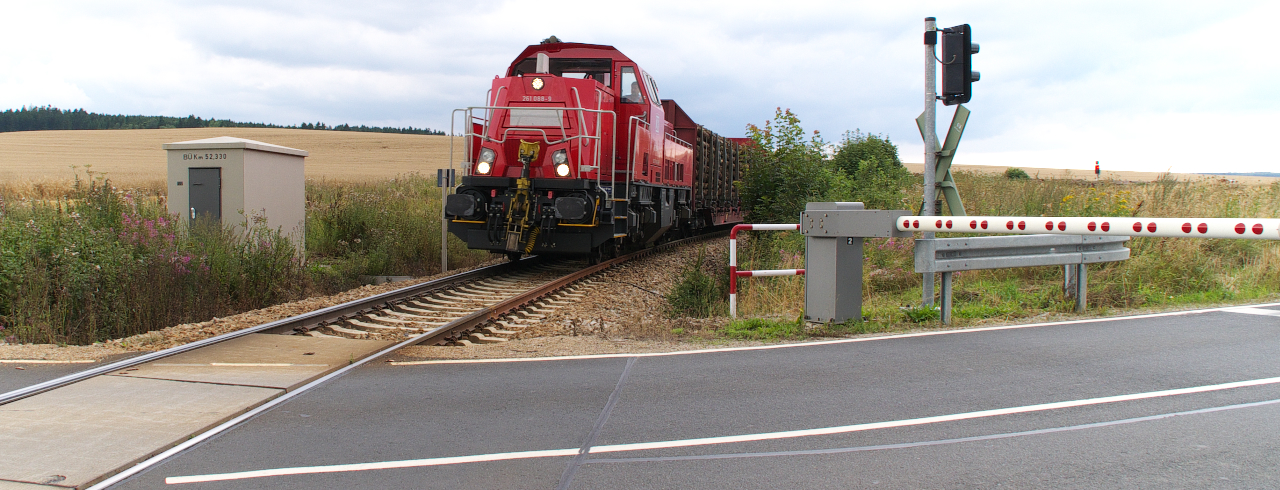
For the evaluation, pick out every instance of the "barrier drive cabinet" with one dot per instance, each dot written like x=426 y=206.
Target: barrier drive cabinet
x=833 y=234
x=228 y=180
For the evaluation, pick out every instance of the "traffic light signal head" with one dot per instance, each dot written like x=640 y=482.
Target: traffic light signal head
x=958 y=76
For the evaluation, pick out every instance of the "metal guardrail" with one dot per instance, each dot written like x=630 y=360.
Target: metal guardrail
x=948 y=255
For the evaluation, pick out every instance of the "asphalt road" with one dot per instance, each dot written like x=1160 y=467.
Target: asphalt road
x=1151 y=406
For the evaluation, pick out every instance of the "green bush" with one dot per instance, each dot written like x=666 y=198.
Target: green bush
x=877 y=177
x=784 y=170
x=1014 y=173
x=98 y=262
x=102 y=263
x=698 y=294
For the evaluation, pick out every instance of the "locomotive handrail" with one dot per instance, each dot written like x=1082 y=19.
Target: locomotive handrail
x=486 y=122
x=635 y=121
x=678 y=140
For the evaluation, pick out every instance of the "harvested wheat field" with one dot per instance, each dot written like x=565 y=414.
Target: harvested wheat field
x=1120 y=175
x=134 y=156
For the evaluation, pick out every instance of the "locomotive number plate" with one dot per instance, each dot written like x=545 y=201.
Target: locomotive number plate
x=536 y=98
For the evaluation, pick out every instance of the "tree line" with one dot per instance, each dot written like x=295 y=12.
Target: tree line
x=48 y=118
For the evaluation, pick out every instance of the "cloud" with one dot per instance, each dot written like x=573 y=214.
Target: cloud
x=1063 y=82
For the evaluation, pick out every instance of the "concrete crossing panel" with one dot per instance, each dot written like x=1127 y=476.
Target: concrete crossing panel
x=265 y=360
x=78 y=434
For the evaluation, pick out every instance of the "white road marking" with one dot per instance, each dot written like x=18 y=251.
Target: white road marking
x=43 y=361
x=705 y=441
x=830 y=342
x=1253 y=311
x=939 y=442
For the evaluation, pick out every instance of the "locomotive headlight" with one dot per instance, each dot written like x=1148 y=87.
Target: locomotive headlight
x=486 y=161
x=559 y=157
x=562 y=170
x=537 y=84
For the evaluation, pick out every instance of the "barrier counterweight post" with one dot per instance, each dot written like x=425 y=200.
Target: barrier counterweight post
x=733 y=262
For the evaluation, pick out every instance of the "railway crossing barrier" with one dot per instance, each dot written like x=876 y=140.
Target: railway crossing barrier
x=1257 y=229
x=834 y=232
x=734 y=273
x=1096 y=228
x=833 y=235
x=948 y=255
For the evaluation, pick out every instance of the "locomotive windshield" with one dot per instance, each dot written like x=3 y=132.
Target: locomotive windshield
x=595 y=68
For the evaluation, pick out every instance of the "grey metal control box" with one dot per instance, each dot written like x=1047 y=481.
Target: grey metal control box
x=833 y=233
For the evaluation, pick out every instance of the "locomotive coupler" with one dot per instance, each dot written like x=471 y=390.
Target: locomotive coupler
x=518 y=214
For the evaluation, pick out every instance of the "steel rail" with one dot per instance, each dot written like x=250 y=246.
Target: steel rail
x=470 y=321
x=305 y=319
x=361 y=305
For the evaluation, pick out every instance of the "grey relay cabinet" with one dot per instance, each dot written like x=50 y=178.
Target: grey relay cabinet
x=232 y=179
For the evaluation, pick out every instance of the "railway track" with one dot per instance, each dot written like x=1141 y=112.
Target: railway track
x=270 y=363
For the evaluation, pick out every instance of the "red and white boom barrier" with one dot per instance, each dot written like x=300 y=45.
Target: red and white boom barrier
x=734 y=273
x=1258 y=229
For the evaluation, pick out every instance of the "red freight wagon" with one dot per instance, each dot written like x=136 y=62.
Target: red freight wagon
x=575 y=153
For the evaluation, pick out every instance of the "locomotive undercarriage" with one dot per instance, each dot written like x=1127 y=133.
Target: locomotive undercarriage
x=566 y=216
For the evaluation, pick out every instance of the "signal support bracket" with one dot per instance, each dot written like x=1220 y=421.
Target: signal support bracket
x=944 y=182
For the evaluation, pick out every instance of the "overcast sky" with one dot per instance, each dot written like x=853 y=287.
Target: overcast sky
x=1153 y=86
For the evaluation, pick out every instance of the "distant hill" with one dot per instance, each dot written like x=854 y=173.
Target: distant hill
x=51 y=118
x=1246 y=174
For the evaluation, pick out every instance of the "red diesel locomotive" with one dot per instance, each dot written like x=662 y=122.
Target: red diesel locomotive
x=575 y=153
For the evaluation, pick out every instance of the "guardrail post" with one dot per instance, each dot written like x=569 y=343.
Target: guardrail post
x=1082 y=286
x=946 y=298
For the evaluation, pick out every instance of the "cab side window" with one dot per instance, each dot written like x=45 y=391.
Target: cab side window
x=652 y=86
x=630 y=86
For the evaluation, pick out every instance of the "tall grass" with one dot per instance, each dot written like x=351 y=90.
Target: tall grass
x=1161 y=272
x=89 y=262
x=377 y=228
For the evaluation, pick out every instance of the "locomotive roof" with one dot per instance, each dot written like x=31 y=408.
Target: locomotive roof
x=569 y=50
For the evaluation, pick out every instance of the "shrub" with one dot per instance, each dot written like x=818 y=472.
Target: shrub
x=92 y=262
x=877 y=177
x=698 y=294
x=784 y=170
x=1014 y=173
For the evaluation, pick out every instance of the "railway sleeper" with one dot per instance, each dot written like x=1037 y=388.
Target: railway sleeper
x=441 y=307
x=345 y=332
x=412 y=317
x=480 y=338
x=486 y=289
x=420 y=312
x=387 y=320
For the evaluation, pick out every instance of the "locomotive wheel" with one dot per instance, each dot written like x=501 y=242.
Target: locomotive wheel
x=513 y=256
x=596 y=255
